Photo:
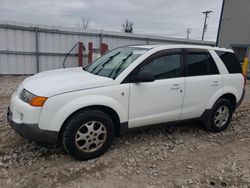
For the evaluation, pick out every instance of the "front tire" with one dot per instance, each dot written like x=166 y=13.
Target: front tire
x=220 y=116
x=88 y=134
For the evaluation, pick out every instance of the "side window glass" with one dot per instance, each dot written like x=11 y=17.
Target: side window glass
x=231 y=61
x=199 y=64
x=196 y=64
x=167 y=66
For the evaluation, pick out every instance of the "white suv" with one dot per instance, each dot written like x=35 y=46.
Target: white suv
x=129 y=87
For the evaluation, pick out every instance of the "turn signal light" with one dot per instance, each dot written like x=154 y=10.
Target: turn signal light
x=38 y=101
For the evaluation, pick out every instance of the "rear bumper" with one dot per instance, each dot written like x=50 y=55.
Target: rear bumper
x=32 y=132
x=241 y=99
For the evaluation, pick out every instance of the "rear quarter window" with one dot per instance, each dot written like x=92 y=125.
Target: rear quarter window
x=231 y=61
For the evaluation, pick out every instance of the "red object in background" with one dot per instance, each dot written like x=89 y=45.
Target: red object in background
x=80 y=54
x=104 y=48
x=90 y=54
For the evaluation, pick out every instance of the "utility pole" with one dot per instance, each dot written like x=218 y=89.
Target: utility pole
x=205 y=22
x=188 y=32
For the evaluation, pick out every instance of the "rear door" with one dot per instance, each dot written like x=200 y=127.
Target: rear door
x=202 y=82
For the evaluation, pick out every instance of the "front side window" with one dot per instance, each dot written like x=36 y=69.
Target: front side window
x=199 y=64
x=113 y=63
x=163 y=67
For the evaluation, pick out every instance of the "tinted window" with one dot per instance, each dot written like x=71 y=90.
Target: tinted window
x=167 y=66
x=231 y=61
x=199 y=64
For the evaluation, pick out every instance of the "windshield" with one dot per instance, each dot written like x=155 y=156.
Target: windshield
x=113 y=63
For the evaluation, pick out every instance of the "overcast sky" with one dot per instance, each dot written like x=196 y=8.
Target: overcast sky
x=158 y=17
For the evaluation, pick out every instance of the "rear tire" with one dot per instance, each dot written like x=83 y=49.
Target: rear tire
x=220 y=116
x=88 y=134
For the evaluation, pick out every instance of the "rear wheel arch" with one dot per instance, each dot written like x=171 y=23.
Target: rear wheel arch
x=219 y=116
x=109 y=111
x=231 y=98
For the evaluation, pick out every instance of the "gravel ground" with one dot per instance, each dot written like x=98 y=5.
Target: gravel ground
x=182 y=156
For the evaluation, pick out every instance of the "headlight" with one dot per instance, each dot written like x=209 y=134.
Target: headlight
x=32 y=99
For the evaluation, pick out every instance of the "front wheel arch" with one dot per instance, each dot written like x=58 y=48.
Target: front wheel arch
x=109 y=111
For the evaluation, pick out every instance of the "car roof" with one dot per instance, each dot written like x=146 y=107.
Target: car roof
x=173 y=46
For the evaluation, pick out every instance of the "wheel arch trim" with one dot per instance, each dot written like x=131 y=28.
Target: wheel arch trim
x=220 y=93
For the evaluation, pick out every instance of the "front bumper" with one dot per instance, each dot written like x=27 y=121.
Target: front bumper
x=32 y=132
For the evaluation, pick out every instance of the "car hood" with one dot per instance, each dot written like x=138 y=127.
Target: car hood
x=54 y=82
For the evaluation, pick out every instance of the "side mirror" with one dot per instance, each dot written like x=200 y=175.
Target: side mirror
x=144 y=76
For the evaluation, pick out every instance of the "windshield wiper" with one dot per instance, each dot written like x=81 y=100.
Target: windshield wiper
x=84 y=68
x=120 y=65
x=109 y=59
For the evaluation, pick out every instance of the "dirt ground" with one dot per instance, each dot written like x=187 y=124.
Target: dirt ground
x=182 y=156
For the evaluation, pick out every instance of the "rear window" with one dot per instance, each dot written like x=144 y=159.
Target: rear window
x=231 y=61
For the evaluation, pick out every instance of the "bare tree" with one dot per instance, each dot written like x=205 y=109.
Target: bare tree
x=128 y=26
x=85 y=23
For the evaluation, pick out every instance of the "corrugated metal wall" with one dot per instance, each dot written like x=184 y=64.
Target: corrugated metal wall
x=28 y=49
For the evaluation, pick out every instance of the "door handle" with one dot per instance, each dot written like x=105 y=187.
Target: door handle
x=175 y=86
x=215 y=83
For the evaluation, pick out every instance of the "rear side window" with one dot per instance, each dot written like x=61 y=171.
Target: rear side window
x=200 y=63
x=231 y=61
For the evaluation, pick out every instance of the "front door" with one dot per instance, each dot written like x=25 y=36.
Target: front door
x=159 y=101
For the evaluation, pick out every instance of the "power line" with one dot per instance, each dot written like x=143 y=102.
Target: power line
x=205 y=22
